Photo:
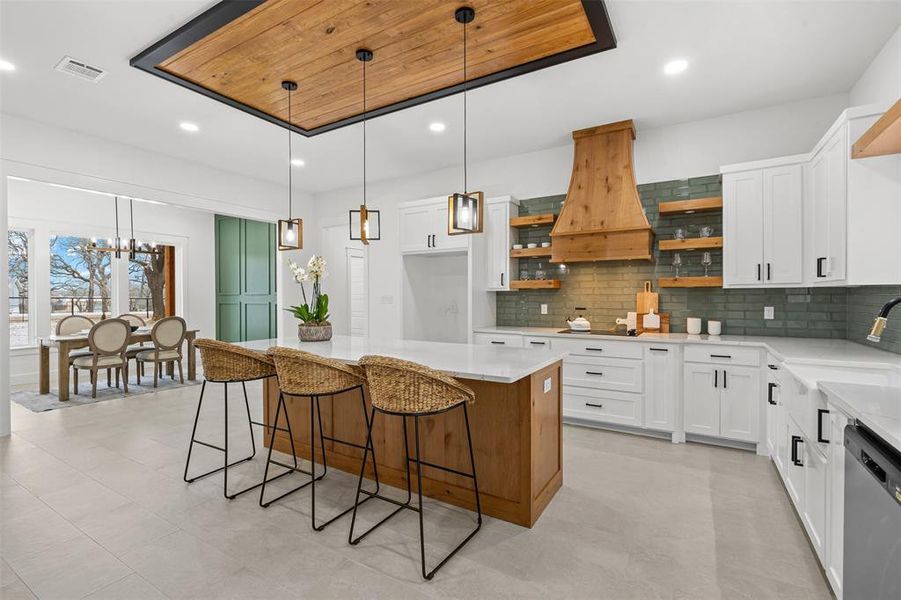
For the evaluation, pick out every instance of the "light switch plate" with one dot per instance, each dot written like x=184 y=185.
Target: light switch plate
x=547 y=385
x=769 y=312
x=544 y=309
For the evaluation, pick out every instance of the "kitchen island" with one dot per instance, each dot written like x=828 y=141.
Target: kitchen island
x=516 y=423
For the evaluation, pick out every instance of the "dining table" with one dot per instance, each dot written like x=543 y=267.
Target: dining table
x=66 y=343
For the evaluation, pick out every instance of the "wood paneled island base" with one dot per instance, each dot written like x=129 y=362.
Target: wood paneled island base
x=517 y=440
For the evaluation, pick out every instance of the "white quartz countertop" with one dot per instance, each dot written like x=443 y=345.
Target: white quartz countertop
x=878 y=407
x=789 y=349
x=467 y=361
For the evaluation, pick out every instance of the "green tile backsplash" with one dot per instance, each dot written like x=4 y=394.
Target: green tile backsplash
x=607 y=289
x=863 y=305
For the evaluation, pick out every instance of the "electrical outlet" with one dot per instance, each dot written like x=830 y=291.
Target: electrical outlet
x=769 y=312
x=544 y=309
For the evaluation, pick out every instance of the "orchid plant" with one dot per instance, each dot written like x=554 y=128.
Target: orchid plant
x=314 y=310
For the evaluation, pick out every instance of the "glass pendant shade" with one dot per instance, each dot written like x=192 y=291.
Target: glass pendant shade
x=365 y=225
x=464 y=213
x=290 y=234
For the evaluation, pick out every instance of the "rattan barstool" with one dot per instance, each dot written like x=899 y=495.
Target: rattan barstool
x=305 y=375
x=227 y=363
x=407 y=389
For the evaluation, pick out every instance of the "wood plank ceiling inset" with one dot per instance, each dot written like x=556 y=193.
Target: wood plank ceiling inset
x=418 y=50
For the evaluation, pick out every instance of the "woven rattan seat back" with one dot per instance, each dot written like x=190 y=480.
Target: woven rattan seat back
x=401 y=386
x=227 y=362
x=303 y=374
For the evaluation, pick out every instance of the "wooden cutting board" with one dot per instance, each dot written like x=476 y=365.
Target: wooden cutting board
x=647 y=300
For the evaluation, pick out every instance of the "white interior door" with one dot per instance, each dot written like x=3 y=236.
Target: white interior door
x=357 y=293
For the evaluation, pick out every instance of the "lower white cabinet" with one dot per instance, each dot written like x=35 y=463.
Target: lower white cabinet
x=722 y=401
x=498 y=339
x=600 y=405
x=701 y=397
x=835 y=508
x=814 y=515
x=661 y=386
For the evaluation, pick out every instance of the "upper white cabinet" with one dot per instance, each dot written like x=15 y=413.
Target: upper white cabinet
x=828 y=203
x=423 y=228
x=762 y=223
x=499 y=238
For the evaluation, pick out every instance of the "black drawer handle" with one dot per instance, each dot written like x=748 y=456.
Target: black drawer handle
x=795 y=460
x=720 y=356
x=716 y=378
x=594 y=349
x=538 y=343
x=821 y=272
x=593 y=373
x=773 y=367
x=659 y=349
x=594 y=405
x=725 y=385
x=502 y=280
x=500 y=343
x=820 y=413
x=769 y=395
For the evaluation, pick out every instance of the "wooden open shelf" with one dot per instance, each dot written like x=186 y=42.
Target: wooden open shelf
x=535 y=284
x=688 y=207
x=533 y=220
x=530 y=252
x=690 y=282
x=884 y=137
x=691 y=244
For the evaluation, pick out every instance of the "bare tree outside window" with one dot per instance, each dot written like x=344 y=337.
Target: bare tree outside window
x=147 y=285
x=19 y=330
x=79 y=279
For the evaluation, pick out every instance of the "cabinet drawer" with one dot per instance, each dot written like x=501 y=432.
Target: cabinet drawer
x=594 y=346
x=617 y=374
x=498 y=339
x=724 y=355
x=541 y=343
x=603 y=406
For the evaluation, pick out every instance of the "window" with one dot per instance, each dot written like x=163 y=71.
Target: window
x=20 y=325
x=148 y=284
x=80 y=279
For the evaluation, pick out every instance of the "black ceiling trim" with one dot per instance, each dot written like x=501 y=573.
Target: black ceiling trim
x=227 y=11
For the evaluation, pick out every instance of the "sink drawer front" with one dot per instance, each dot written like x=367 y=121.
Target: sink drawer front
x=603 y=406
x=594 y=346
x=723 y=355
x=498 y=339
x=617 y=374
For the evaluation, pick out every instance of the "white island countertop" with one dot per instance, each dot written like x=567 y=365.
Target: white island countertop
x=878 y=407
x=467 y=361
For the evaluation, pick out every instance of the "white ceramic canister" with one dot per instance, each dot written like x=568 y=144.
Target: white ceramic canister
x=714 y=327
x=693 y=325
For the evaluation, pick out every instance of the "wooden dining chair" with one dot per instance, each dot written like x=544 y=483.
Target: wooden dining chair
x=136 y=321
x=72 y=325
x=108 y=341
x=168 y=336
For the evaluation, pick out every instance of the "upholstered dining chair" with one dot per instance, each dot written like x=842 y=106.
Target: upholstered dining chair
x=70 y=326
x=135 y=321
x=108 y=341
x=168 y=336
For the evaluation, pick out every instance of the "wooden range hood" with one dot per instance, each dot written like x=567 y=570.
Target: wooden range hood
x=602 y=218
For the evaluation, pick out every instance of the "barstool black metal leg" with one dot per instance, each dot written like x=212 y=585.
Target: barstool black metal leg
x=213 y=446
x=472 y=464
x=262 y=485
x=194 y=429
x=253 y=443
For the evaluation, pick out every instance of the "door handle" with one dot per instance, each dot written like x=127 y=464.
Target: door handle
x=716 y=378
x=758 y=271
x=769 y=276
x=820 y=413
x=499 y=343
x=821 y=271
x=725 y=385
x=502 y=280
x=428 y=241
x=538 y=343
x=594 y=349
x=796 y=439
x=594 y=405
x=434 y=241
x=598 y=373
x=769 y=395
x=659 y=349
x=720 y=356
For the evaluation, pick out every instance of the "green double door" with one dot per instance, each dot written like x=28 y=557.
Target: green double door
x=246 y=305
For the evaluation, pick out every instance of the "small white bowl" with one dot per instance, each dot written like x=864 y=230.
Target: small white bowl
x=545 y=244
x=517 y=246
x=532 y=245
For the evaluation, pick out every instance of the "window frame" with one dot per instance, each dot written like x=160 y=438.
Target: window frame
x=32 y=340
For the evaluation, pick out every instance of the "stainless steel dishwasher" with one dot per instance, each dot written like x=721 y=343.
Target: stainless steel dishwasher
x=872 y=569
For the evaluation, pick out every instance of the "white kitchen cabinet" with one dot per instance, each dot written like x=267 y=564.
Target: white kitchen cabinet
x=835 y=509
x=602 y=406
x=772 y=412
x=701 y=398
x=739 y=409
x=794 y=472
x=661 y=373
x=423 y=228
x=827 y=201
x=762 y=223
x=499 y=238
x=814 y=511
x=512 y=340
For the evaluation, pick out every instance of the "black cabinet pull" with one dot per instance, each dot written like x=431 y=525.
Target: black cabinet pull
x=500 y=343
x=502 y=280
x=428 y=240
x=659 y=349
x=593 y=373
x=716 y=378
x=821 y=271
x=725 y=385
x=773 y=367
x=594 y=405
x=796 y=439
x=768 y=275
x=758 y=271
x=820 y=413
x=538 y=343
x=720 y=356
x=594 y=349
x=769 y=393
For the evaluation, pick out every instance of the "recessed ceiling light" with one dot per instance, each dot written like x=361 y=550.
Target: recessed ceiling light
x=5 y=65
x=437 y=127
x=298 y=162
x=674 y=67
x=187 y=126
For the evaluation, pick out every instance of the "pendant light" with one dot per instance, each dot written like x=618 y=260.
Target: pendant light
x=365 y=224
x=290 y=230
x=465 y=209
x=132 y=245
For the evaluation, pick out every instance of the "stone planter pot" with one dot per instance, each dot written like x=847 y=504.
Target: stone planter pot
x=314 y=333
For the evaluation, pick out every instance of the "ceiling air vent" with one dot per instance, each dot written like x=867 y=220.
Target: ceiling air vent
x=79 y=69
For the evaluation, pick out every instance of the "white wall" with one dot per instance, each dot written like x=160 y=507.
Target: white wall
x=881 y=82
x=675 y=152
x=435 y=298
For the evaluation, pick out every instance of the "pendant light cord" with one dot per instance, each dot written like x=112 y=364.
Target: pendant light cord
x=131 y=215
x=364 y=133
x=117 y=221
x=290 y=166
x=465 y=183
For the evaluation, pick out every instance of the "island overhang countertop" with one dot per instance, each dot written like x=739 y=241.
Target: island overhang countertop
x=481 y=362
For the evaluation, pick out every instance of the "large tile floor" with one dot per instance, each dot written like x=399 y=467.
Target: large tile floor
x=93 y=506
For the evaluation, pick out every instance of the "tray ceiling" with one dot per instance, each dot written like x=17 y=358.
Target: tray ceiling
x=238 y=52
